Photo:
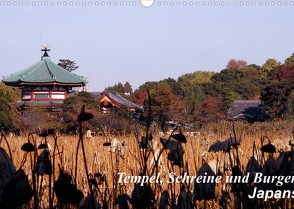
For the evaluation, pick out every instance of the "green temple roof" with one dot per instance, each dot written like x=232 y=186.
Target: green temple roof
x=44 y=71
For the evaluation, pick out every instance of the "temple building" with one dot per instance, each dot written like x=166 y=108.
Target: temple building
x=248 y=110
x=109 y=99
x=44 y=84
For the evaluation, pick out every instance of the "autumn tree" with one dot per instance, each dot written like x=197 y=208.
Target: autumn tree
x=290 y=108
x=236 y=64
x=268 y=66
x=166 y=106
x=68 y=64
x=285 y=74
x=139 y=96
x=278 y=97
x=109 y=123
x=36 y=119
x=211 y=110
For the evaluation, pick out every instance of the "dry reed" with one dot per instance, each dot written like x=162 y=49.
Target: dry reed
x=101 y=160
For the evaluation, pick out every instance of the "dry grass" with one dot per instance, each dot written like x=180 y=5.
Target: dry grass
x=100 y=159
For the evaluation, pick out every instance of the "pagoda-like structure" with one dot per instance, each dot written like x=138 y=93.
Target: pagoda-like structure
x=44 y=84
x=110 y=99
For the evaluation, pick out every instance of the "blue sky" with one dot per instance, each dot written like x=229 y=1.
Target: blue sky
x=112 y=44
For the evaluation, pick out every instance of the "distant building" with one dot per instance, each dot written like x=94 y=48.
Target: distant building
x=44 y=84
x=109 y=99
x=249 y=110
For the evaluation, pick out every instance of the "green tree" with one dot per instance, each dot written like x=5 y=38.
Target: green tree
x=123 y=112
x=253 y=74
x=68 y=64
x=194 y=90
x=228 y=76
x=122 y=89
x=72 y=107
x=150 y=85
x=254 y=93
x=289 y=60
x=199 y=78
x=238 y=82
x=275 y=99
x=228 y=80
x=175 y=87
x=74 y=103
x=128 y=88
x=268 y=66
x=193 y=101
x=119 y=87
x=228 y=98
x=8 y=107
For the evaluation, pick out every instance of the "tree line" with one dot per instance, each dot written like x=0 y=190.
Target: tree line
x=202 y=96
x=195 y=98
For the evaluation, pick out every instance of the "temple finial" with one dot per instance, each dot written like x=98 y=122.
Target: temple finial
x=45 y=50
